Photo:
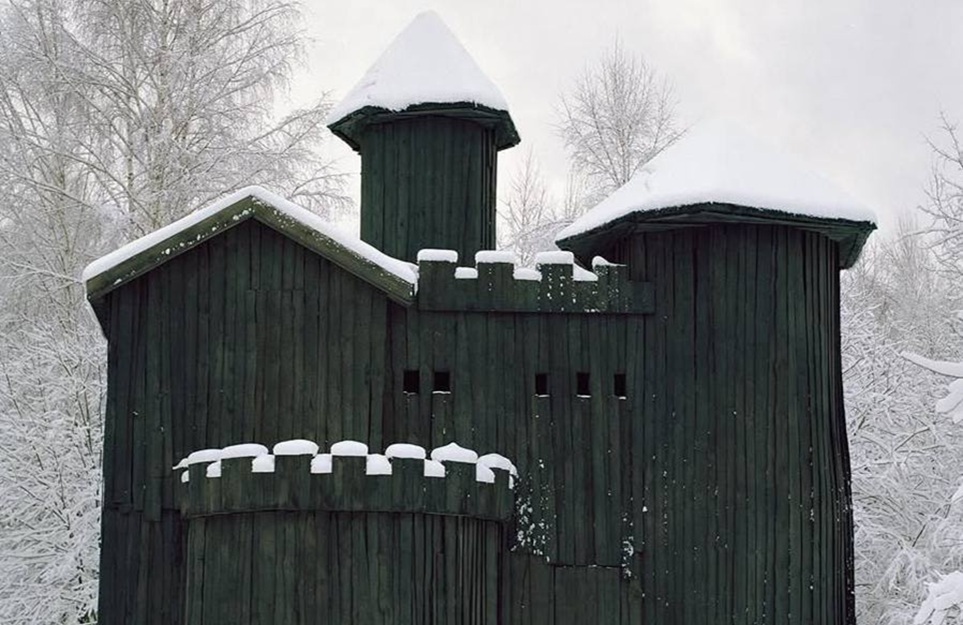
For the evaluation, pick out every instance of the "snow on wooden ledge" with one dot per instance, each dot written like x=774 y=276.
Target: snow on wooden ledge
x=261 y=461
x=556 y=284
x=454 y=481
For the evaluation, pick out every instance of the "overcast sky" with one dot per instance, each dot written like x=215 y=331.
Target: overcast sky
x=851 y=87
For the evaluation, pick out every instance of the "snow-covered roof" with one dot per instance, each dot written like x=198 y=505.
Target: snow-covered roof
x=720 y=164
x=110 y=271
x=424 y=64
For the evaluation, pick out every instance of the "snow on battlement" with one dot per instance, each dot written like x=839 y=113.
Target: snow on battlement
x=406 y=478
x=555 y=284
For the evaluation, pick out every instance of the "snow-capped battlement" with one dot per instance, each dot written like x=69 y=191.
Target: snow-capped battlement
x=555 y=284
x=246 y=478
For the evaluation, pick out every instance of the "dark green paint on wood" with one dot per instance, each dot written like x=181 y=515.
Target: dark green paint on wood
x=713 y=492
x=405 y=206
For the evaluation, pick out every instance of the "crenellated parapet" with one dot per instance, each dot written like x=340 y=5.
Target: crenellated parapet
x=453 y=481
x=555 y=285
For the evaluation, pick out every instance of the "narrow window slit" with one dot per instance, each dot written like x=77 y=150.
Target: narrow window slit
x=619 y=386
x=411 y=381
x=541 y=384
x=442 y=382
x=582 y=386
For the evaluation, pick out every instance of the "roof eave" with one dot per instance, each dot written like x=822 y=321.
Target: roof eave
x=849 y=234
x=250 y=207
x=350 y=127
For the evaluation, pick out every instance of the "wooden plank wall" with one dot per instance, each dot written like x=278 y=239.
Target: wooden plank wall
x=743 y=465
x=293 y=568
x=722 y=477
x=428 y=182
x=577 y=491
x=248 y=337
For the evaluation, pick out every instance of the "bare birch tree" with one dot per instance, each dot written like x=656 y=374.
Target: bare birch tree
x=528 y=215
x=904 y=455
x=618 y=115
x=116 y=116
x=945 y=192
x=936 y=356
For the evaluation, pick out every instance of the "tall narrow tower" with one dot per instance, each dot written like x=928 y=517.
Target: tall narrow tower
x=741 y=428
x=428 y=125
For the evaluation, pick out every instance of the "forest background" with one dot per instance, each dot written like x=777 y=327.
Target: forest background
x=117 y=117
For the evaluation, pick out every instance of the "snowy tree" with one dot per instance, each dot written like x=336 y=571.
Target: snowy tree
x=944 y=595
x=618 y=115
x=952 y=404
x=944 y=601
x=528 y=215
x=946 y=208
x=945 y=192
x=115 y=118
x=904 y=457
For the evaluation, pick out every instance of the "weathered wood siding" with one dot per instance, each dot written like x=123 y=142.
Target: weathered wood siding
x=740 y=443
x=248 y=337
x=715 y=490
x=567 y=447
x=295 y=568
x=428 y=182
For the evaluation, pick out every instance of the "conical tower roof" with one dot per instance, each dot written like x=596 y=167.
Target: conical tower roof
x=424 y=70
x=722 y=173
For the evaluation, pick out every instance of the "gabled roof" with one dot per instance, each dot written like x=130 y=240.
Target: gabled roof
x=398 y=279
x=724 y=174
x=424 y=70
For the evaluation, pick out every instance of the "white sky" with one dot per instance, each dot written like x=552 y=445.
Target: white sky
x=851 y=87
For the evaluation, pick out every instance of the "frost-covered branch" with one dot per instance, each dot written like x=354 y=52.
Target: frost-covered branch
x=618 y=115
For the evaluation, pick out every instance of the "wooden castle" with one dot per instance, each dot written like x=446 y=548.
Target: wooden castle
x=645 y=428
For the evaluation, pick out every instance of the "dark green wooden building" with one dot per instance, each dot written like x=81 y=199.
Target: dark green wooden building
x=648 y=425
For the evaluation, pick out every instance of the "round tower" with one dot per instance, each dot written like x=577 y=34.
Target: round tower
x=428 y=125
x=299 y=536
x=742 y=433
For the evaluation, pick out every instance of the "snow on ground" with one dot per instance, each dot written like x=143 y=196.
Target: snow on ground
x=718 y=163
x=425 y=63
